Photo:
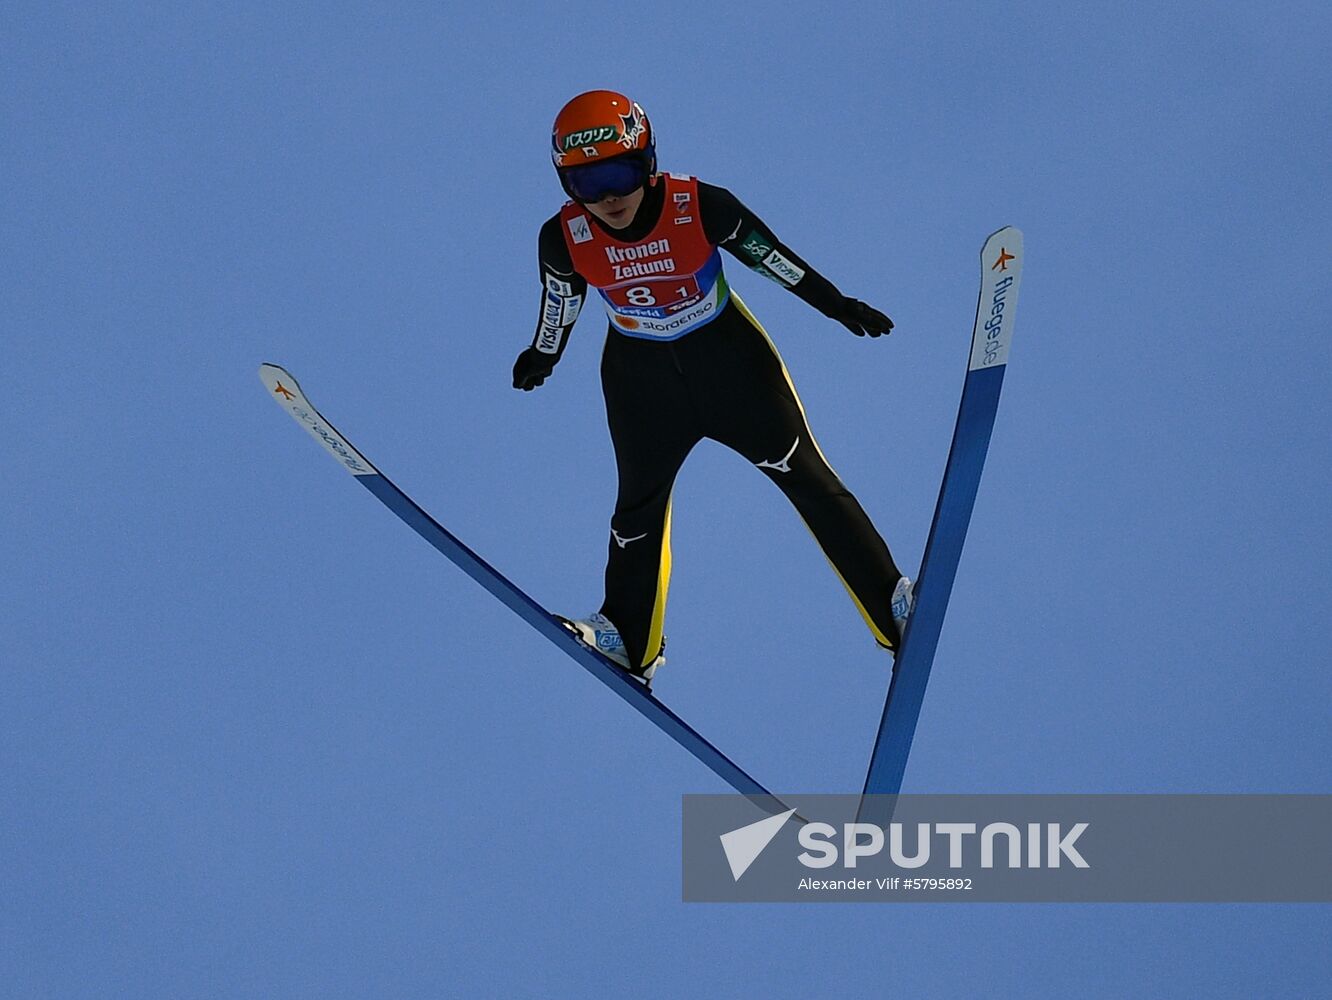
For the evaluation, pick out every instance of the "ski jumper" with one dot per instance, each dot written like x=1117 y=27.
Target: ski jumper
x=684 y=360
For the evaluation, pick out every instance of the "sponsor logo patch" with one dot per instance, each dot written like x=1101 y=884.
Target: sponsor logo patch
x=783 y=268
x=580 y=230
x=665 y=327
x=637 y=265
x=550 y=313
x=755 y=247
x=590 y=136
x=548 y=340
x=632 y=126
x=994 y=325
x=641 y=269
x=570 y=309
x=638 y=251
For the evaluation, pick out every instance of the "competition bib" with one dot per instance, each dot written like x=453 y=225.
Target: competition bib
x=661 y=287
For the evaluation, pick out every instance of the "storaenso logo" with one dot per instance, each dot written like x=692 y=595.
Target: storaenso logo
x=648 y=325
x=590 y=136
x=994 y=325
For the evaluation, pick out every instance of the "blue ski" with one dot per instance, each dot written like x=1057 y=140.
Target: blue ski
x=284 y=389
x=1001 y=274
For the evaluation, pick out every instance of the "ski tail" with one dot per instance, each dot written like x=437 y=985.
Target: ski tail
x=287 y=393
x=1001 y=275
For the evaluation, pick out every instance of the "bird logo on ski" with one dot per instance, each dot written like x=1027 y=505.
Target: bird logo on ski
x=1001 y=274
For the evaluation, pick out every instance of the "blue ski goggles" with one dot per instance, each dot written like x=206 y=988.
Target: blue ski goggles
x=617 y=177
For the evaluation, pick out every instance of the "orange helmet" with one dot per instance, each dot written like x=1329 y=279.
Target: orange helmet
x=597 y=127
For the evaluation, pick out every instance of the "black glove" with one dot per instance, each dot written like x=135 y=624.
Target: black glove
x=531 y=369
x=862 y=319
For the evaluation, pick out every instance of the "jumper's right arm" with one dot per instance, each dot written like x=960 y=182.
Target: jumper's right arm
x=562 y=295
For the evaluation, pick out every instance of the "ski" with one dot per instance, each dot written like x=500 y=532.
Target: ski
x=991 y=337
x=283 y=388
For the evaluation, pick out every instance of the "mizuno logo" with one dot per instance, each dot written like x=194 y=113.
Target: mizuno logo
x=622 y=542
x=783 y=464
x=1002 y=263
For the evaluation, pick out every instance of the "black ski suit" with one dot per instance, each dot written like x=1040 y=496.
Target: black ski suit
x=722 y=380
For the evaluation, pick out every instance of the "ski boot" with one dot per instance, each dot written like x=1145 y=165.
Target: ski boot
x=904 y=600
x=597 y=632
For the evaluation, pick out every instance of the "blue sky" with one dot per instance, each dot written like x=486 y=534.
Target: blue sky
x=257 y=739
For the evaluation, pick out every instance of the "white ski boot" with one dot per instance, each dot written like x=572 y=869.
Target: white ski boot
x=904 y=600
x=597 y=631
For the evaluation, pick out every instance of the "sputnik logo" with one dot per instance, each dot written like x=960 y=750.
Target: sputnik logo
x=743 y=846
x=283 y=391
x=1004 y=257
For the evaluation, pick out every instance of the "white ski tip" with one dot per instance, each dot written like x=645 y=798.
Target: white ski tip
x=284 y=390
x=1001 y=274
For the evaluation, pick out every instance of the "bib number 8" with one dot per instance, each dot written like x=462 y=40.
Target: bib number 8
x=641 y=296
